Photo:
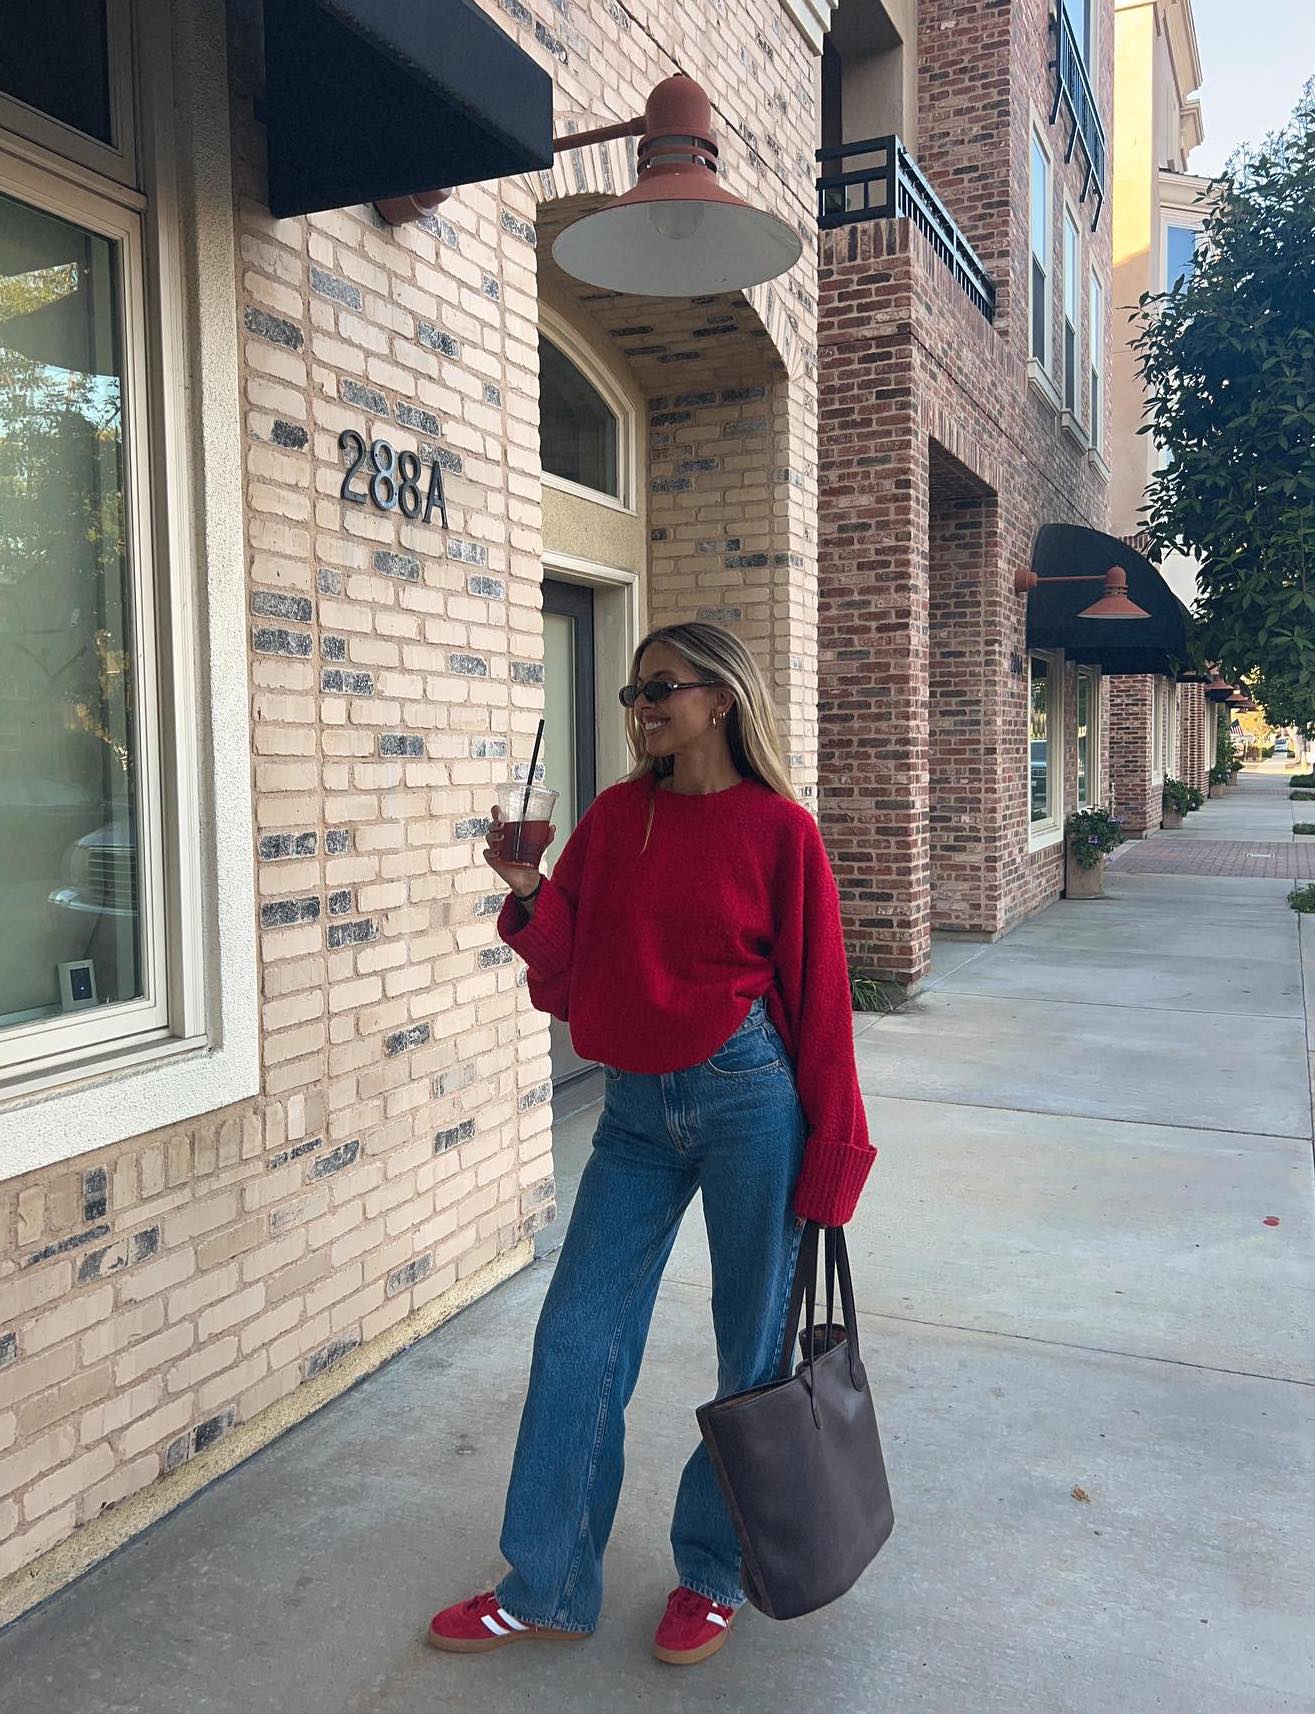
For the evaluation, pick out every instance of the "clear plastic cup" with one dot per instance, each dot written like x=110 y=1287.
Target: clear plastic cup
x=525 y=823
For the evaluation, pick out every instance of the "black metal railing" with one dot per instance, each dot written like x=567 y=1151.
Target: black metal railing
x=890 y=187
x=1073 y=94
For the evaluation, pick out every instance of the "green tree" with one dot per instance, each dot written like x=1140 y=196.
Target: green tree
x=1228 y=358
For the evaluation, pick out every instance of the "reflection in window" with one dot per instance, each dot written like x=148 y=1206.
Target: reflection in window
x=1040 y=230
x=1180 y=255
x=1071 y=287
x=1086 y=735
x=1039 y=738
x=1079 y=15
x=578 y=431
x=68 y=825
x=56 y=59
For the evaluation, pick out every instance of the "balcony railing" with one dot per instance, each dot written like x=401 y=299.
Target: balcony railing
x=1074 y=95
x=891 y=188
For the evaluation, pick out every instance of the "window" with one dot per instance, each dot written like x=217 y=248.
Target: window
x=1081 y=18
x=1179 y=255
x=1164 y=713
x=579 y=433
x=1040 y=274
x=1088 y=736
x=1045 y=729
x=116 y=954
x=1071 y=288
x=1096 y=359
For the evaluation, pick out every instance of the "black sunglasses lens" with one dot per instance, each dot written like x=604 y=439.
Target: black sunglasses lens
x=656 y=690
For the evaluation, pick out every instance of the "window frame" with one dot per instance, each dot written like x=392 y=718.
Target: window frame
x=1037 y=145
x=1070 y=285
x=41 y=137
x=1091 y=677
x=66 y=1038
x=1050 y=830
x=1095 y=358
x=1176 y=220
x=559 y=332
x=1164 y=719
x=207 y=1055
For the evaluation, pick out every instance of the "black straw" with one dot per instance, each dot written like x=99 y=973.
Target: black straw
x=529 y=786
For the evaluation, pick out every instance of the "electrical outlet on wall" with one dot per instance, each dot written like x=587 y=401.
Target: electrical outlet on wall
x=77 y=985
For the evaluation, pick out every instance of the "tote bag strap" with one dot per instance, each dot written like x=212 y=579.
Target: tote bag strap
x=804 y=1286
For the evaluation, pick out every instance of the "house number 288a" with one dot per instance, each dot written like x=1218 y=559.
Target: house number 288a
x=393 y=481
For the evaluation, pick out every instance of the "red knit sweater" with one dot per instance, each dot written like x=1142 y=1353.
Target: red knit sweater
x=655 y=953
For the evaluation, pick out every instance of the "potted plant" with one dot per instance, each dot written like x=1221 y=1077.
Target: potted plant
x=1175 y=802
x=1090 y=836
x=1195 y=798
x=1220 y=776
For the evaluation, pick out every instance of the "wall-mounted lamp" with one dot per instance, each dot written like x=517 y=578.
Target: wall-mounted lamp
x=1114 y=604
x=677 y=233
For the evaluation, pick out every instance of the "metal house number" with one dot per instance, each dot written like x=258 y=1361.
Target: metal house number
x=392 y=479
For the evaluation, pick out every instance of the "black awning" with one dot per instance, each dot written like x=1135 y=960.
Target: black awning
x=370 y=99
x=1154 y=645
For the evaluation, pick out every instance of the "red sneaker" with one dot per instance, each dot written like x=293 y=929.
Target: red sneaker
x=692 y=1628
x=481 y=1624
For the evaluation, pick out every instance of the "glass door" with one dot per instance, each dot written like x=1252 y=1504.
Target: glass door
x=570 y=760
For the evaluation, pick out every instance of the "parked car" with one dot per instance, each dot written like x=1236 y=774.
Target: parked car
x=1281 y=745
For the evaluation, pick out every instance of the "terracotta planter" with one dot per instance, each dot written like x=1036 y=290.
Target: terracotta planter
x=1171 y=818
x=1080 y=883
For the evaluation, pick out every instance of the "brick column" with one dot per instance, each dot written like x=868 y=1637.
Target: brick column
x=1192 y=766
x=872 y=606
x=1136 y=797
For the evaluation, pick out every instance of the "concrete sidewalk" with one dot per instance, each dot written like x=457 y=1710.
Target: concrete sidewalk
x=1067 y=1289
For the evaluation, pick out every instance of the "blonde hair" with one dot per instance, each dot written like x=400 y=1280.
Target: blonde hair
x=721 y=659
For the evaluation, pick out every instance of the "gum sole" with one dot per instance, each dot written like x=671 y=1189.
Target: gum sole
x=463 y=1645
x=691 y=1657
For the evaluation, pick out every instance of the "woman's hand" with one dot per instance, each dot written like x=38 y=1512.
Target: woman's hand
x=522 y=878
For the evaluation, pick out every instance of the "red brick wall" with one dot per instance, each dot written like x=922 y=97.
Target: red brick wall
x=1136 y=795
x=938 y=464
x=1192 y=765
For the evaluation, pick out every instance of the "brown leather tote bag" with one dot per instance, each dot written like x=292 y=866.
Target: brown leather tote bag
x=799 y=1458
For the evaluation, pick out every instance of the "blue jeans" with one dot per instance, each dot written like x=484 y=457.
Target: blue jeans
x=733 y=1128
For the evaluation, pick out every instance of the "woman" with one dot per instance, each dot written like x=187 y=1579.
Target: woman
x=690 y=935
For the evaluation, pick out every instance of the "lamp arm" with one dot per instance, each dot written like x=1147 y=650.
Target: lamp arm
x=602 y=134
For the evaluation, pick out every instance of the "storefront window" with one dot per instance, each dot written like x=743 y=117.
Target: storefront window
x=69 y=883
x=70 y=84
x=579 y=435
x=1040 y=740
x=1086 y=738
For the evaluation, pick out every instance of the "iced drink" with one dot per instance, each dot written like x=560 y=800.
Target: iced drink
x=525 y=825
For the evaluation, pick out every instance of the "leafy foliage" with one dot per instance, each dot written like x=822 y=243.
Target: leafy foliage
x=1228 y=359
x=1177 y=795
x=1092 y=834
x=1303 y=898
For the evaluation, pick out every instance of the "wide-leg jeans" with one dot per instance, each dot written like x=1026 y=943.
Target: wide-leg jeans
x=733 y=1128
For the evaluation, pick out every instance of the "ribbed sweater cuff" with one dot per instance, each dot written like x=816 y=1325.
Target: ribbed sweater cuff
x=544 y=940
x=831 y=1181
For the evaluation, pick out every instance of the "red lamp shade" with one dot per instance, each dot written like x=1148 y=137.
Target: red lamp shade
x=1114 y=604
x=1218 y=689
x=677 y=233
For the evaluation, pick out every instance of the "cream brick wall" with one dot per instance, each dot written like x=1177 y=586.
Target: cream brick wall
x=158 y=1296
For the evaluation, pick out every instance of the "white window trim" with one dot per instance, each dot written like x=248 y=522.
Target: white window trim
x=1043 y=834
x=1069 y=214
x=559 y=331
x=213 y=1058
x=1045 y=365
x=1095 y=785
x=1164 y=724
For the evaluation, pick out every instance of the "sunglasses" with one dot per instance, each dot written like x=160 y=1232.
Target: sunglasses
x=659 y=689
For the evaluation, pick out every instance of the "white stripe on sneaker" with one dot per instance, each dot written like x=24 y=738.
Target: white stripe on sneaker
x=497 y=1629
x=716 y=1619
x=507 y=1619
